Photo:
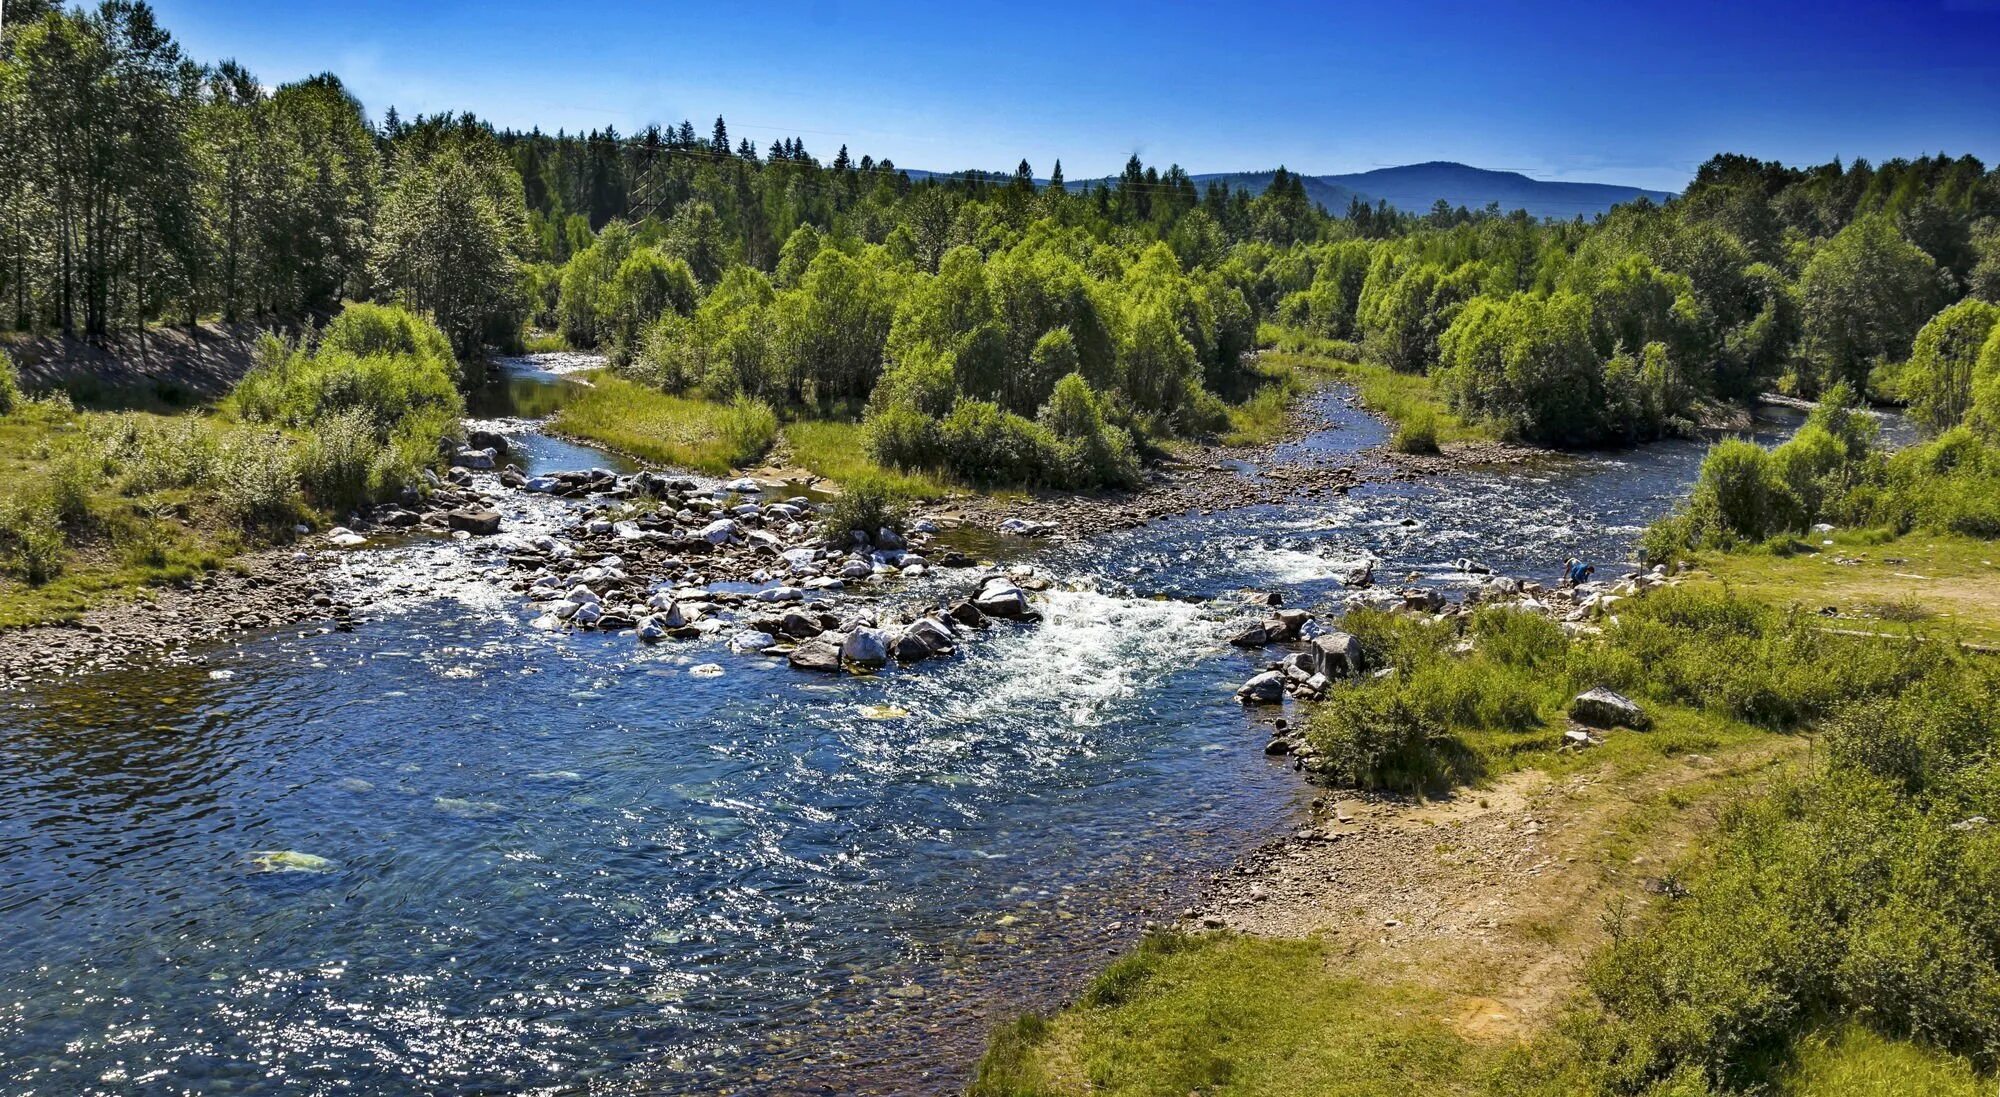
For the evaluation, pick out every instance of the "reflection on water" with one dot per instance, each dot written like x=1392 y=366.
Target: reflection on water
x=518 y=860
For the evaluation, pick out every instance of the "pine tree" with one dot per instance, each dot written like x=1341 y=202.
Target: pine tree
x=719 y=142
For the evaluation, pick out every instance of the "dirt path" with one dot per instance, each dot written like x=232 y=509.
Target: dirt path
x=1495 y=896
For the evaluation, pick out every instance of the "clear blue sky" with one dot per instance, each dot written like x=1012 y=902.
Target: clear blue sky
x=1608 y=90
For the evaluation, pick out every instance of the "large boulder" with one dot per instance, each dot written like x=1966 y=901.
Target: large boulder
x=1286 y=625
x=487 y=439
x=818 y=654
x=799 y=624
x=479 y=520
x=909 y=647
x=473 y=458
x=935 y=633
x=750 y=642
x=1603 y=708
x=720 y=532
x=922 y=639
x=866 y=647
x=1267 y=688
x=667 y=613
x=1254 y=635
x=999 y=597
x=1336 y=655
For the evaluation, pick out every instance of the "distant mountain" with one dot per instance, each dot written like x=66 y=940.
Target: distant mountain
x=1413 y=188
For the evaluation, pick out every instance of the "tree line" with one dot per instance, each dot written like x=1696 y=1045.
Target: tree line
x=155 y=189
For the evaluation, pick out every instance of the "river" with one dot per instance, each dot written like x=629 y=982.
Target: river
x=548 y=862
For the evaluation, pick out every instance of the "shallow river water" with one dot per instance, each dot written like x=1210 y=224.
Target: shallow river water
x=531 y=861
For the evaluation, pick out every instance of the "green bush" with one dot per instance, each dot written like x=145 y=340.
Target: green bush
x=746 y=430
x=1380 y=738
x=378 y=359
x=10 y=385
x=153 y=454
x=1088 y=451
x=1417 y=434
x=256 y=486
x=985 y=445
x=72 y=479
x=31 y=532
x=336 y=460
x=863 y=504
x=1069 y=444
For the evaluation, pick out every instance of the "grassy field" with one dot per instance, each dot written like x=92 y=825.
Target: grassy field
x=1949 y=584
x=1236 y=1015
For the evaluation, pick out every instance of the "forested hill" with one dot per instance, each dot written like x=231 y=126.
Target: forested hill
x=1415 y=188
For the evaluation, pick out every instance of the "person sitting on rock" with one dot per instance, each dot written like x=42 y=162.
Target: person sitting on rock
x=1580 y=573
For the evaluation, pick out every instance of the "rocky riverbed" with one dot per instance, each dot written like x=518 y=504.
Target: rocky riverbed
x=675 y=533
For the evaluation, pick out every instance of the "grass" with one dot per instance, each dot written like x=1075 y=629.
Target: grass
x=837 y=451
x=100 y=504
x=1711 y=668
x=681 y=431
x=717 y=438
x=1235 y=1015
x=1946 y=581
x=113 y=544
x=1851 y=1061
x=1344 y=1012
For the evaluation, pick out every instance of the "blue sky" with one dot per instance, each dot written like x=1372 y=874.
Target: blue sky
x=1609 y=91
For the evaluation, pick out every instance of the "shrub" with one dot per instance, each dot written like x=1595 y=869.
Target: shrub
x=151 y=454
x=255 y=483
x=70 y=482
x=1378 y=738
x=336 y=459
x=985 y=445
x=375 y=358
x=31 y=531
x=901 y=436
x=10 y=385
x=1736 y=495
x=1417 y=434
x=1088 y=451
x=863 y=504
x=1937 y=381
x=746 y=430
